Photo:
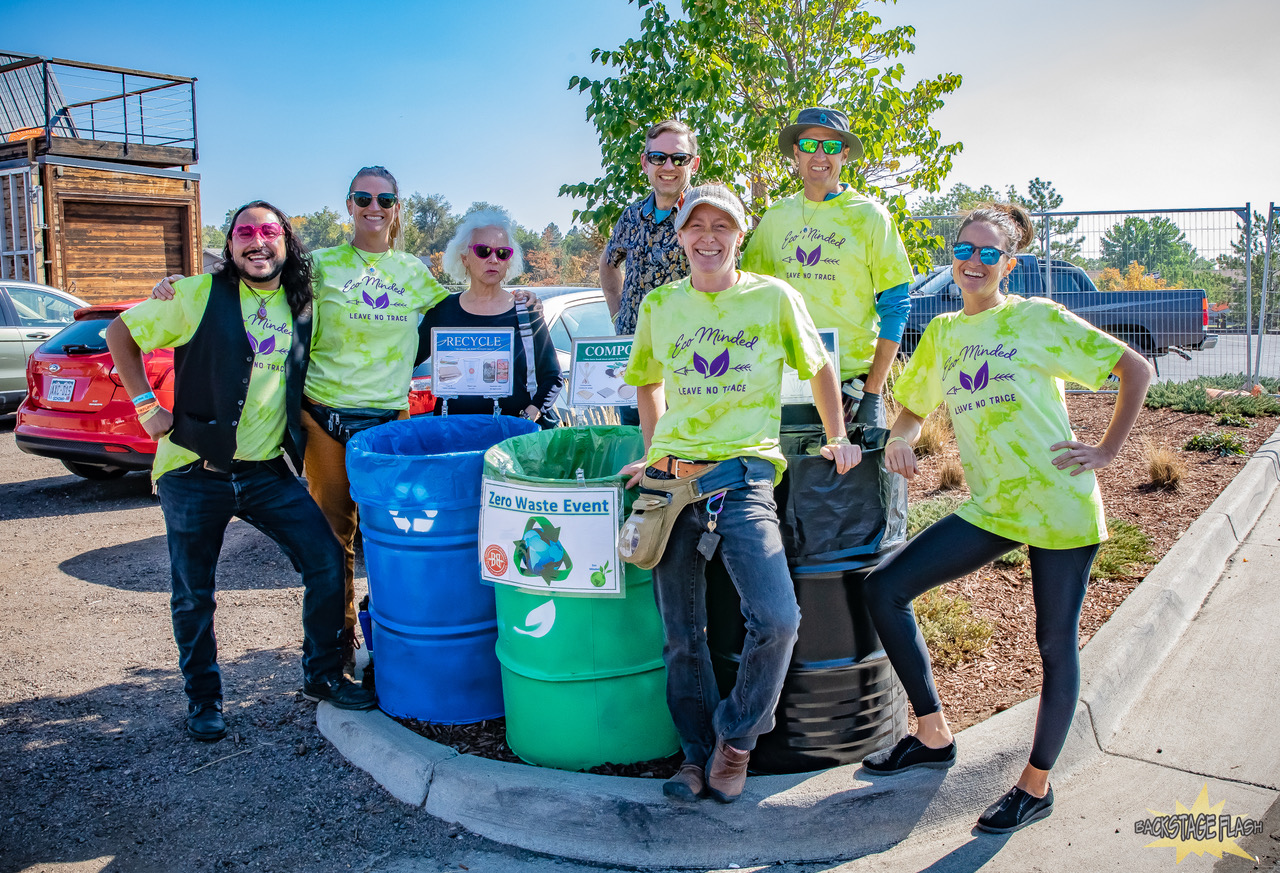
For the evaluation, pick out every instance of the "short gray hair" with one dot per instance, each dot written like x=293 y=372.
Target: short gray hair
x=452 y=261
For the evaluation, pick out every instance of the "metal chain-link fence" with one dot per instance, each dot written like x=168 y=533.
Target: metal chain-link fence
x=1193 y=289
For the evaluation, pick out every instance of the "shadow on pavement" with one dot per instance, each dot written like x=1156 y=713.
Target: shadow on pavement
x=249 y=561
x=971 y=856
x=57 y=496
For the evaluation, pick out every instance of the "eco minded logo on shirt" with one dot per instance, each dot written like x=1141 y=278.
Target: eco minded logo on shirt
x=369 y=298
x=809 y=252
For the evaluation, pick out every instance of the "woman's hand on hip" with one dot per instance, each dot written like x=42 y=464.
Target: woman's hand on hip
x=1082 y=456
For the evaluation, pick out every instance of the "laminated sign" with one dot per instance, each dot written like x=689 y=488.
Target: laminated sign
x=796 y=391
x=471 y=362
x=595 y=377
x=560 y=540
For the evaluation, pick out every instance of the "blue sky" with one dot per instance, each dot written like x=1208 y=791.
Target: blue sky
x=1121 y=103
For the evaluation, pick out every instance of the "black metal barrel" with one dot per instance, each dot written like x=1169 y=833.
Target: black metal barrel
x=840 y=700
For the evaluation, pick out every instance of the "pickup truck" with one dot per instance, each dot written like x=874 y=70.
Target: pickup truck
x=1153 y=323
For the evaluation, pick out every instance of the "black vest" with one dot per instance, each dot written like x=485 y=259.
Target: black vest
x=211 y=379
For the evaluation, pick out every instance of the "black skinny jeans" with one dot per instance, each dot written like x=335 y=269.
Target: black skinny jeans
x=953 y=548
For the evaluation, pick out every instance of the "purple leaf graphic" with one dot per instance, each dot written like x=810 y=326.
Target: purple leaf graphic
x=267 y=346
x=814 y=256
x=253 y=343
x=368 y=299
x=980 y=377
x=700 y=363
x=382 y=302
x=720 y=365
x=801 y=256
x=965 y=381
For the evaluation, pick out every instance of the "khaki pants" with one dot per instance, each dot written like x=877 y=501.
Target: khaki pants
x=325 y=468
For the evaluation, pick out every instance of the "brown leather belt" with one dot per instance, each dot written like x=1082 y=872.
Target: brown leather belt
x=681 y=468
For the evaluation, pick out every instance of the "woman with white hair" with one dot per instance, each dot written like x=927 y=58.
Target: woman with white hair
x=484 y=249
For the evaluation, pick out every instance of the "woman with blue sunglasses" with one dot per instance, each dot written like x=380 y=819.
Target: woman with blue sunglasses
x=999 y=366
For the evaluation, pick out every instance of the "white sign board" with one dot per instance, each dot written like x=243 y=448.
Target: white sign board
x=471 y=362
x=796 y=391
x=553 y=539
x=596 y=369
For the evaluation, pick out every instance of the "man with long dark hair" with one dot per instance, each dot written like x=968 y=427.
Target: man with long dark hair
x=241 y=338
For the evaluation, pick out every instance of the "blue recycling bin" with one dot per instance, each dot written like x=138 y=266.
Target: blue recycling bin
x=417 y=483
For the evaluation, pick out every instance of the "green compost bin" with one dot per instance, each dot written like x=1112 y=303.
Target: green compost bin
x=583 y=682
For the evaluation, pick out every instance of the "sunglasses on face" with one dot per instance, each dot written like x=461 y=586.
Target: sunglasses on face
x=829 y=146
x=658 y=159
x=270 y=232
x=989 y=255
x=364 y=198
x=483 y=251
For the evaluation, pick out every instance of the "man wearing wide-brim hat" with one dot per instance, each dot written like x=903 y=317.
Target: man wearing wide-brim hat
x=841 y=250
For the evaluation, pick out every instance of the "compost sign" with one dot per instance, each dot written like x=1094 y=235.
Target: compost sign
x=561 y=540
x=796 y=391
x=471 y=362
x=595 y=375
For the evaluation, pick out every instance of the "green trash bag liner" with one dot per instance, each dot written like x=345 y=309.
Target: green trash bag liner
x=429 y=461
x=835 y=521
x=553 y=457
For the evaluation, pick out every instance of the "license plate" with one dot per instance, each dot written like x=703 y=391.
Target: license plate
x=60 y=390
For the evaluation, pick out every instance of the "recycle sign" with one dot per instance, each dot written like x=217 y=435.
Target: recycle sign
x=539 y=553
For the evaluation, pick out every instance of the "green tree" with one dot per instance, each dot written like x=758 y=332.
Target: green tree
x=736 y=71
x=1041 y=197
x=429 y=223
x=320 y=229
x=213 y=237
x=1233 y=268
x=1156 y=243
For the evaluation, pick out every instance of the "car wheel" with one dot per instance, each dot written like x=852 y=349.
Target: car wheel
x=94 y=471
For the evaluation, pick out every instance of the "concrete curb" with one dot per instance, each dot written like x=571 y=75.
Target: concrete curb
x=839 y=813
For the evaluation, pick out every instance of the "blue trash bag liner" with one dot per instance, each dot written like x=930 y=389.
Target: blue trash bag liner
x=833 y=520
x=429 y=460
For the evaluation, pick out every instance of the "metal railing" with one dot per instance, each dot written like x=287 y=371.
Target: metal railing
x=61 y=98
x=1157 y=253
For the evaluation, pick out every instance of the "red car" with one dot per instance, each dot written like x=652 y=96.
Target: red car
x=77 y=410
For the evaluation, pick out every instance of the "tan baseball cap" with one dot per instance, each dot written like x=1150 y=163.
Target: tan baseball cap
x=718 y=196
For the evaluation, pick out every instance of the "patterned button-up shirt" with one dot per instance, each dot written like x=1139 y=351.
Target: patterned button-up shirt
x=653 y=255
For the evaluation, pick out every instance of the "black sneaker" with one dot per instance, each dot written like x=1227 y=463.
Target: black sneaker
x=908 y=754
x=205 y=721
x=341 y=692
x=1016 y=809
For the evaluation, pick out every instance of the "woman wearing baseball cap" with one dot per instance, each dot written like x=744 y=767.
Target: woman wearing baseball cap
x=707 y=364
x=999 y=365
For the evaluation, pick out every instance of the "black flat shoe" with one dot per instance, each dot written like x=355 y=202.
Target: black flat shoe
x=205 y=721
x=1015 y=810
x=910 y=754
x=341 y=692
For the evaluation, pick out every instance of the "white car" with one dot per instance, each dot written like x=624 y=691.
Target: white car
x=571 y=313
x=29 y=315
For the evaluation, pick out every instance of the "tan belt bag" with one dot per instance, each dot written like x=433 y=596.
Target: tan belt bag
x=653 y=514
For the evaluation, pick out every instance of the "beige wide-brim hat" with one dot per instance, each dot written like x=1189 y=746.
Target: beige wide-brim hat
x=820 y=116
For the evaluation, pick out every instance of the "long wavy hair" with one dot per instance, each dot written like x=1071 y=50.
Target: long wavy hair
x=298 y=272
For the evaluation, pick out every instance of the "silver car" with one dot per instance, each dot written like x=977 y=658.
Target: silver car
x=29 y=315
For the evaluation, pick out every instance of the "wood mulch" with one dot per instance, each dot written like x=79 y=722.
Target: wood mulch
x=1008 y=671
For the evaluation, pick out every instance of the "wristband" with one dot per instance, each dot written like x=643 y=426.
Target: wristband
x=893 y=440
x=143 y=398
x=839 y=441
x=143 y=416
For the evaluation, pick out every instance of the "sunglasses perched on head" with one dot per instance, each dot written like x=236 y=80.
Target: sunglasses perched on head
x=989 y=255
x=658 y=159
x=829 y=146
x=364 y=198
x=483 y=251
x=270 y=232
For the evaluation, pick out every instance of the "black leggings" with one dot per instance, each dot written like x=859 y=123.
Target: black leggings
x=953 y=548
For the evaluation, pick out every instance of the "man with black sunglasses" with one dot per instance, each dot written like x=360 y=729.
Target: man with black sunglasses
x=842 y=251
x=645 y=235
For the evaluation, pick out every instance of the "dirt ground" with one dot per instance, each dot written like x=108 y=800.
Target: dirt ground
x=96 y=773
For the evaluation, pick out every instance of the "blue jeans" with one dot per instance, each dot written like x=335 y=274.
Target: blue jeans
x=198 y=505
x=751 y=549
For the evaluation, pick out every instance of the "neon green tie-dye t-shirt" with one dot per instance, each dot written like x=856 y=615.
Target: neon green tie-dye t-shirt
x=163 y=324
x=366 y=326
x=838 y=254
x=720 y=358
x=1001 y=374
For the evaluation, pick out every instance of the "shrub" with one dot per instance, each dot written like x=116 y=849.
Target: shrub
x=926 y=512
x=1222 y=443
x=950 y=474
x=1165 y=467
x=1128 y=546
x=1016 y=558
x=1192 y=397
x=1233 y=419
x=935 y=433
x=951 y=630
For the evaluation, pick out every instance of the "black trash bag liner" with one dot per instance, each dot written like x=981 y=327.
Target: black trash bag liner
x=841 y=522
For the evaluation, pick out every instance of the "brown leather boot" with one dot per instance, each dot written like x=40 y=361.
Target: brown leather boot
x=727 y=773
x=687 y=784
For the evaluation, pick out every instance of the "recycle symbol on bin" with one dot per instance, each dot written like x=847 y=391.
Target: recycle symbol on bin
x=539 y=553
